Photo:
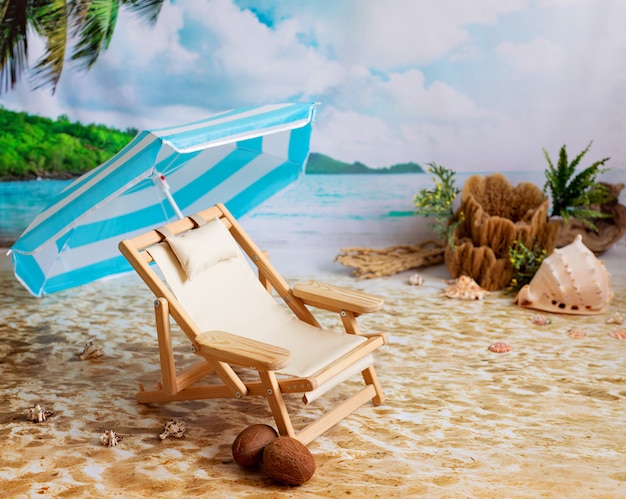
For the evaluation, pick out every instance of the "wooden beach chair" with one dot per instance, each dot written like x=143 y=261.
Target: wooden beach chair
x=251 y=344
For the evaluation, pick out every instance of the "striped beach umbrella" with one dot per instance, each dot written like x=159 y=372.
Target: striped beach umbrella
x=239 y=158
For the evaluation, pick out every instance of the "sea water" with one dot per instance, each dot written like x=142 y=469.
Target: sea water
x=314 y=204
x=21 y=201
x=315 y=211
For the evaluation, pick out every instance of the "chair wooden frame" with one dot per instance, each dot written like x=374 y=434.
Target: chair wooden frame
x=222 y=351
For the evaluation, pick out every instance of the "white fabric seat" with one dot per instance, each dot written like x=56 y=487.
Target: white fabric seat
x=227 y=296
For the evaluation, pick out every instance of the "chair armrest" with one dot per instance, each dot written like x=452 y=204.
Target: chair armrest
x=234 y=349
x=336 y=298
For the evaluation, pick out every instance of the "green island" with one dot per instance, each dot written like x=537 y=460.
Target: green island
x=321 y=164
x=33 y=147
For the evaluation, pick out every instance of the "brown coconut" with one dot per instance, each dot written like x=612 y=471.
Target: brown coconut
x=248 y=446
x=289 y=461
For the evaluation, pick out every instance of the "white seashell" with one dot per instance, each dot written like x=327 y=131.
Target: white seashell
x=615 y=318
x=174 y=429
x=110 y=438
x=570 y=281
x=465 y=288
x=38 y=414
x=416 y=280
x=91 y=351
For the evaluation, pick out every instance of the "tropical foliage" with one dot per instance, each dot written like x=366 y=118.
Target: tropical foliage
x=74 y=30
x=33 y=146
x=525 y=262
x=572 y=194
x=437 y=202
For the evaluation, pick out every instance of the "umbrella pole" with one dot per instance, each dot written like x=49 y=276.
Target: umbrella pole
x=159 y=179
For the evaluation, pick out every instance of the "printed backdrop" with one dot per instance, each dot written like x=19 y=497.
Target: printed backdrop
x=475 y=85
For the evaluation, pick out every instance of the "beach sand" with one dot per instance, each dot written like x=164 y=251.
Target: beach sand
x=547 y=419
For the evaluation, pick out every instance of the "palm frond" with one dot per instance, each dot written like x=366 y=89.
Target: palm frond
x=94 y=30
x=578 y=158
x=90 y=23
x=13 y=42
x=147 y=10
x=50 y=22
x=584 y=183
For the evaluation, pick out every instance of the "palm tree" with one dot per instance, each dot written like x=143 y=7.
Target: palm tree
x=82 y=28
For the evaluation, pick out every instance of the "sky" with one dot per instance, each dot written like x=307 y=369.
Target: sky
x=474 y=85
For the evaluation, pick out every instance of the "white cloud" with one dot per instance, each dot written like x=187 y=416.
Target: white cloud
x=392 y=76
x=394 y=34
x=539 y=54
x=138 y=46
x=409 y=99
x=364 y=138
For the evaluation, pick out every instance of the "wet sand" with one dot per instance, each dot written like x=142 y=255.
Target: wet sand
x=547 y=419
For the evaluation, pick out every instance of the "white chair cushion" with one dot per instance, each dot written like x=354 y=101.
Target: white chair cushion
x=201 y=248
x=229 y=297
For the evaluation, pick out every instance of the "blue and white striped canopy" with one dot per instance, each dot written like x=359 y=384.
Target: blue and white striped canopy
x=239 y=157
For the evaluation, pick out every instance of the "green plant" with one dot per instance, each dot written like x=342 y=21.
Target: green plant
x=525 y=262
x=573 y=195
x=437 y=203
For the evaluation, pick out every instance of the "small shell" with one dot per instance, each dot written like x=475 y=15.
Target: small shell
x=90 y=351
x=618 y=334
x=37 y=414
x=174 y=429
x=540 y=320
x=110 y=438
x=465 y=288
x=615 y=318
x=500 y=347
x=416 y=280
x=576 y=332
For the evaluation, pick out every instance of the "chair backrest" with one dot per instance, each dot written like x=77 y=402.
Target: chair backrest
x=209 y=275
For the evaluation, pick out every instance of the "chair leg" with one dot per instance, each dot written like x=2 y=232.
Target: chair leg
x=371 y=378
x=166 y=353
x=277 y=404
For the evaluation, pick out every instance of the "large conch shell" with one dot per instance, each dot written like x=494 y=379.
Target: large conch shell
x=570 y=281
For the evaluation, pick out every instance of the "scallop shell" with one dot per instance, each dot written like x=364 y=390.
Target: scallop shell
x=576 y=332
x=618 y=334
x=540 y=320
x=570 y=281
x=499 y=347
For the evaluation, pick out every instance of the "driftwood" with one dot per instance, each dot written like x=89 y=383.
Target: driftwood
x=370 y=262
x=610 y=229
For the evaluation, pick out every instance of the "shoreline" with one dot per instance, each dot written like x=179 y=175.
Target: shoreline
x=44 y=176
x=312 y=261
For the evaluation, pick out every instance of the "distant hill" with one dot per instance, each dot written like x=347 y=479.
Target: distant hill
x=321 y=164
x=32 y=146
